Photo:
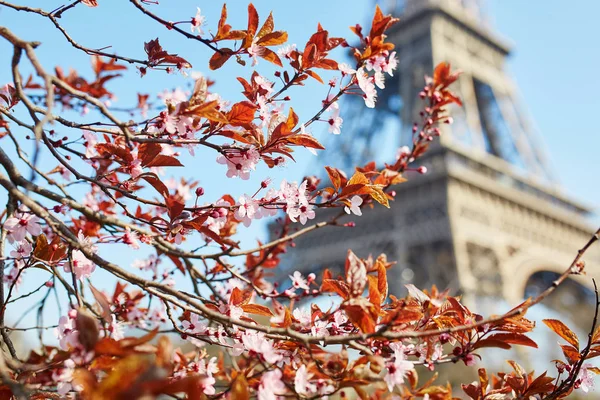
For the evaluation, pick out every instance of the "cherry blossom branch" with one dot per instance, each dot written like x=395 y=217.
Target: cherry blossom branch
x=171 y=26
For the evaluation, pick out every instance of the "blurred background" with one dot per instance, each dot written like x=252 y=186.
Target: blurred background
x=512 y=189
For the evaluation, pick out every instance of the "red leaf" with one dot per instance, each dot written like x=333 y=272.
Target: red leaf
x=563 y=331
x=333 y=285
x=118 y=151
x=306 y=141
x=571 y=353
x=334 y=177
x=360 y=317
x=241 y=113
x=219 y=58
x=491 y=343
x=252 y=19
x=514 y=338
x=148 y=151
x=273 y=39
x=156 y=183
x=174 y=206
x=238 y=297
x=164 y=161
x=270 y=56
x=257 y=309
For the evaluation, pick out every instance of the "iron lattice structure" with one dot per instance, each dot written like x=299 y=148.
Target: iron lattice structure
x=487 y=220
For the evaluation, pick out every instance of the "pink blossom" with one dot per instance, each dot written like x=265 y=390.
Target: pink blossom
x=333 y=106
x=345 y=69
x=365 y=82
x=271 y=385
x=14 y=277
x=134 y=168
x=286 y=50
x=263 y=83
x=319 y=328
x=86 y=242
x=255 y=51
x=64 y=377
x=22 y=224
x=257 y=342
x=240 y=162
x=397 y=370
x=82 y=267
x=23 y=250
x=66 y=333
x=585 y=378
x=247 y=210
x=379 y=79
x=198 y=21
x=173 y=97
x=391 y=65
x=90 y=144
x=302 y=315
x=302 y=384
x=301 y=213
x=354 y=208
x=298 y=207
x=335 y=122
x=130 y=238
x=298 y=281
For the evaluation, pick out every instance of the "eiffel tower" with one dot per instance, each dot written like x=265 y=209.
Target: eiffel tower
x=487 y=220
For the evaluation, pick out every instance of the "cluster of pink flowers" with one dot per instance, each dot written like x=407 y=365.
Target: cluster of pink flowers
x=258 y=344
x=381 y=64
x=79 y=264
x=240 y=162
x=17 y=228
x=22 y=223
x=297 y=205
x=398 y=368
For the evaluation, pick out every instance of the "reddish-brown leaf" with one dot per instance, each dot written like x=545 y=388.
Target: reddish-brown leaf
x=174 y=206
x=156 y=183
x=257 y=309
x=164 y=161
x=334 y=177
x=314 y=75
x=271 y=56
x=267 y=27
x=241 y=113
x=563 y=331
x=239 y=388
x=148 y=151
x=219 y=58
x=335 y=286
x=87 y=326
x=360 y=317
x=103 y=302
x=571 y=353
x=356 y=274
x=273 y=38
x=113 y=149
x=252 y=19
x=306 y=141
x=514 y=338
x=238 y=297
x=491 y=343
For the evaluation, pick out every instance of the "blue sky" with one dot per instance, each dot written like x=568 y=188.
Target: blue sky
x=554 y=63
